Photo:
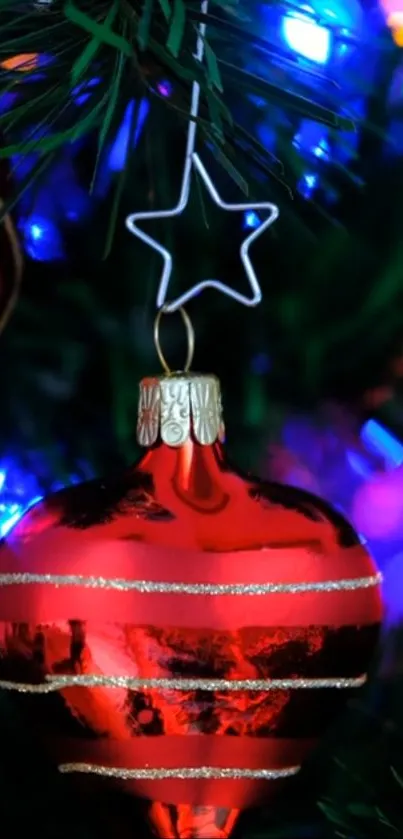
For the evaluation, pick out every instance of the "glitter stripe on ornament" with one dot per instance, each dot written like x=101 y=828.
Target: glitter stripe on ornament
x=205 y=684
x=182 y=773
x=211 y=589
x=55 y=683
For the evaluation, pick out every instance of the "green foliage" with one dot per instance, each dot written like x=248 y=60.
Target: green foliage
x=128 y=45
x=82 y=336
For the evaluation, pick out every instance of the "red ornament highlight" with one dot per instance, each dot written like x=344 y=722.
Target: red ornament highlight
x=182 y=630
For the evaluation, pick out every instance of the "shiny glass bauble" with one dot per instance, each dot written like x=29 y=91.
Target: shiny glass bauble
x=185 y=632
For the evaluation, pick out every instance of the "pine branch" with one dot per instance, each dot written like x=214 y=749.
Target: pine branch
x=128 y=45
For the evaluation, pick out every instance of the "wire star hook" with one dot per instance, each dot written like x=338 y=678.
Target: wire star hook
x=192 y=162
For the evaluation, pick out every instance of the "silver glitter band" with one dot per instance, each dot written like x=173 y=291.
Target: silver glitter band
x=204 y=684
x=55 y=683
x=151 y=587
x=184 y=773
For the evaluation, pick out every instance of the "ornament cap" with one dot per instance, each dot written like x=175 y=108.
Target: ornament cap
x=180 y=407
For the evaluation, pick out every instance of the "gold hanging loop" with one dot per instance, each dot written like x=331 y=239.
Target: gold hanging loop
x=190 y=336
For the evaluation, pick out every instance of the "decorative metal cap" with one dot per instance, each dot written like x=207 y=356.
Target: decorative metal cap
x=180 y=407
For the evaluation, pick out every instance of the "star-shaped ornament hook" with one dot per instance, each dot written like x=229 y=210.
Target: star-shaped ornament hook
x=193 y=163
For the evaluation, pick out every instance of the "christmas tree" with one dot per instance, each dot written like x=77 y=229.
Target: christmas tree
x=300 y=106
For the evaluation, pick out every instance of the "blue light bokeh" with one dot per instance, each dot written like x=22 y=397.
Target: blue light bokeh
x=251 y=220
x=20 y=489
x=307 y=37
x=42 y=239
x=126 y=137
x=378 y=439
x=18 y=492
x=57 y=201
x=323 y=31
x=324 y=50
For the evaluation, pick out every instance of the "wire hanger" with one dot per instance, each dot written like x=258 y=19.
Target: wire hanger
x=193 y=162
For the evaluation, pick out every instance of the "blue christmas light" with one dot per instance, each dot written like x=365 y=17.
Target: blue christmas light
x=20 y=490
x=307 y=37
x=42 y=239
x=70 y=201
x=307 y=185
x=120 y=148
x=84 y=90
x=46 y=207
x=267 y=135
x=311 y=139
x=22 y=165
x=11 y=513
x=75 y=203
x=329 y=34
x=117 y=154
x=7 y=101
x=251 y=220
x=324 y=30
x=164 y=88
x=359 y=465
x=379 y=440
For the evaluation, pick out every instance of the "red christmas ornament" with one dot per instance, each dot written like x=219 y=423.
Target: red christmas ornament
x=183 y=630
